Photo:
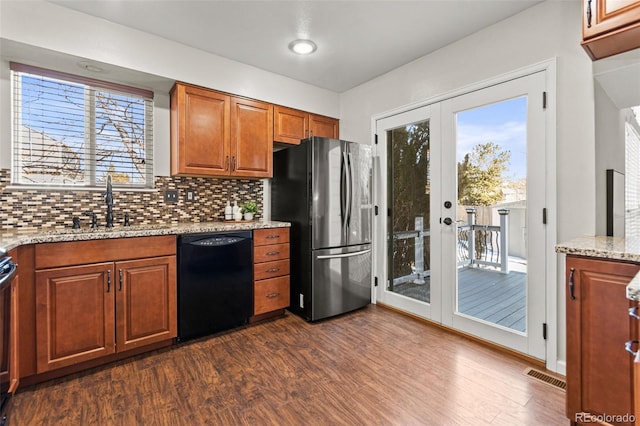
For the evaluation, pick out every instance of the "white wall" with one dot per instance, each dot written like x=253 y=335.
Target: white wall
x=49 y=26
x=550 y=29
x=610 y=151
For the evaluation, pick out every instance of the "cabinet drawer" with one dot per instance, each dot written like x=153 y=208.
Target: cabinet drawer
x=265 y=270
x=263 y=237
x=271 y=295
x=270 y=253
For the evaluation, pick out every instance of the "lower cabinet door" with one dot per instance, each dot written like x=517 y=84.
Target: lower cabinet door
x=74 y=315
x=146 y=305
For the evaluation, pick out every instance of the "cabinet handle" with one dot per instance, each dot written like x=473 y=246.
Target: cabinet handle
x=270 y=237
x=226 y=167
x=628 y=346
x=273 y=253
x=272 y=295
x=120 y=284
x=273 y=270
x=589 y=14
x=108 y=280
x=233 y=163
x=572 y=284
x=633 y=313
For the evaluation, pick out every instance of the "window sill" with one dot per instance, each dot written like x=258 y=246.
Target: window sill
x=14 y=187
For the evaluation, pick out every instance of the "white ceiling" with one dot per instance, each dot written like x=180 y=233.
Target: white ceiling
x=357 y=40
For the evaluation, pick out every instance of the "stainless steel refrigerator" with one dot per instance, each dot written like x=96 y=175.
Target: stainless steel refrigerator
x=323 y=187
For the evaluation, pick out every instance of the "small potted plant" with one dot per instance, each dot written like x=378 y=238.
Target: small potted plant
x=249 y=209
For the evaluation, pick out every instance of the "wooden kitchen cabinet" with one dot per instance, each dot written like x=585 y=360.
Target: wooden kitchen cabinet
x=74 y=315
x=270 y=272
x=251 y=138
x=216 y=134
x=200 y=131
x=610 y=27
x=292 y=125
x=599 y=370
x=325 y=127
x=111 y=305
x=146 y=304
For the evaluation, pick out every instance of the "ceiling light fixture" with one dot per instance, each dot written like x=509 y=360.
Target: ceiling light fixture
x=302 y=47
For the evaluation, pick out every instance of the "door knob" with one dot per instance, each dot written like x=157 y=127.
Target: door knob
x=447 y=221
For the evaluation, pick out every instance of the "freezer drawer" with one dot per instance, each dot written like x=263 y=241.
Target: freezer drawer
x=341 y=280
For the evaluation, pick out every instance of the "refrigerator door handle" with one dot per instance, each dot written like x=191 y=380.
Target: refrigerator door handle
x=338 y=256
x=344 y=195
x=350 y=208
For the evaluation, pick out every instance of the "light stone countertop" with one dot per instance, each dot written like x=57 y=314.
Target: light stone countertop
x=14 y=238
x=611 y=248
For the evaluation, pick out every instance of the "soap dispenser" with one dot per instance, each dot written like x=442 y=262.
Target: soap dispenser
x=237 y=214
x=228 y=213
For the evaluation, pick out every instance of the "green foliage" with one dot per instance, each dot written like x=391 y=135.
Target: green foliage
x=409 y=154
x=250 y=207
x=480 y=175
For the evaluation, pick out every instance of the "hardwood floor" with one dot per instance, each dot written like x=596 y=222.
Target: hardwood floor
x=370 y=367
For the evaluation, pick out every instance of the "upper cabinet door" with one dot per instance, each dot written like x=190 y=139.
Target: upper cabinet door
x=610 y=27
x=325 y=127
x=251 y=138
x=290 y=125
x=200 y=131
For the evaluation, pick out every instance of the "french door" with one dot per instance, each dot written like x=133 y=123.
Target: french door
x=463 y=184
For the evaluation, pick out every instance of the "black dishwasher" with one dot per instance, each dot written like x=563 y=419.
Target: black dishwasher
x=215 y=282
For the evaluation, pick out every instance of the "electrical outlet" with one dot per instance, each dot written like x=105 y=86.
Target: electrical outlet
x=171 y=196
x=190 y=196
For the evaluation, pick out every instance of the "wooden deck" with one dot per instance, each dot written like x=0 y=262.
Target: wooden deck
x=484 y=294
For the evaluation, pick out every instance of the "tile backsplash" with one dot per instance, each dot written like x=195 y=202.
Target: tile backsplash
x=37 y=208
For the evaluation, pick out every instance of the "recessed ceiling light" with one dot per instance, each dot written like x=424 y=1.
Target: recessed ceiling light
x=302 y=47
x=90 y=67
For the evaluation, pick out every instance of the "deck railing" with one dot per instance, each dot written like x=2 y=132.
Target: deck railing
x=477 y=245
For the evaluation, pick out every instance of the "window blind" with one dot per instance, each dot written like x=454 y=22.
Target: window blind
x=71 y=130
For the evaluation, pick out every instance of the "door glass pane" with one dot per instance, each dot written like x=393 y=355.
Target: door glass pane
x=491 y=150
x=408 y=173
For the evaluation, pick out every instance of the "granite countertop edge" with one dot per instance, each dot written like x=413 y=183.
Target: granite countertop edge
x=614 y=248
x=10 y=239
x=608 y=248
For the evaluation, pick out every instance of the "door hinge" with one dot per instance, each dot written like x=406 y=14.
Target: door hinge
x=376 y=139
x=544 y=330
x=375 y=281
x=544 y=216
x=375 y=210
x=544 y=100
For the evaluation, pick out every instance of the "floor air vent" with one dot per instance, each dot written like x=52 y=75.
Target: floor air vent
x=545 y=378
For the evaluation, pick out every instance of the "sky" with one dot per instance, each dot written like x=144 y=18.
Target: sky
x=504 y=123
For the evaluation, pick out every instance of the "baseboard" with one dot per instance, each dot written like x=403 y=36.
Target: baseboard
x=561 y=367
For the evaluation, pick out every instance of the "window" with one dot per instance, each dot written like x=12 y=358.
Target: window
x=74 y=131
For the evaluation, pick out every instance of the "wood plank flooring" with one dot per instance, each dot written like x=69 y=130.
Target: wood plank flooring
x=371 y=367
x=488 y=295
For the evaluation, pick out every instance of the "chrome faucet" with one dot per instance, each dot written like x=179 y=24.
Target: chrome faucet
x=109 y=200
